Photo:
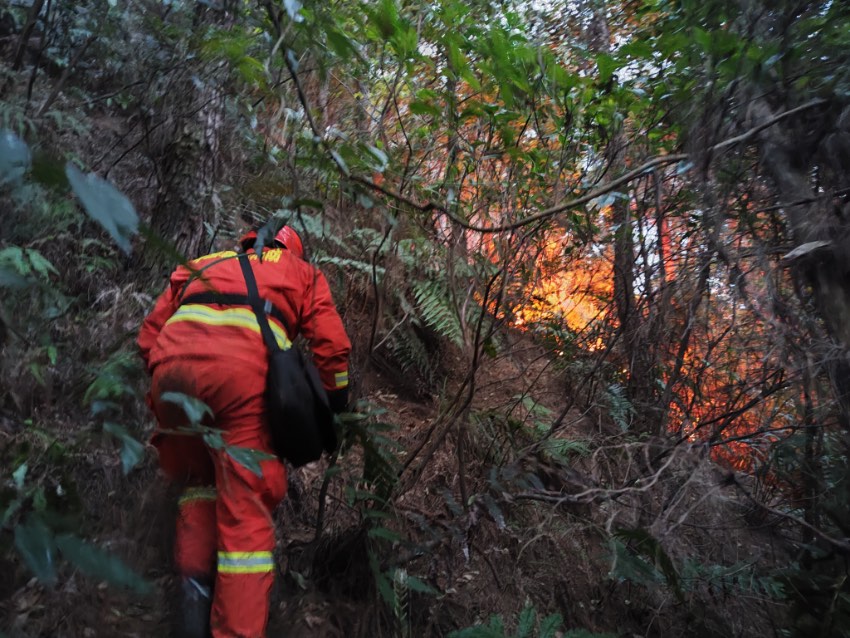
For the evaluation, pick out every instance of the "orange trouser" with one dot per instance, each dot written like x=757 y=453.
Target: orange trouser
x=224 y=522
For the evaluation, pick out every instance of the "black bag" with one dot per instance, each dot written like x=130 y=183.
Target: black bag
x=300 y=418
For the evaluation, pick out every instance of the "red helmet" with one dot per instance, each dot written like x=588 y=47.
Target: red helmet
x=290 y=240
x=247 y=240
x=286 y=237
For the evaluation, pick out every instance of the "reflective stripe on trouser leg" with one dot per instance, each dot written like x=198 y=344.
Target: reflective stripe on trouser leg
x=245 y=562
x=246 y=568
x=195 y=533
x=194 y=494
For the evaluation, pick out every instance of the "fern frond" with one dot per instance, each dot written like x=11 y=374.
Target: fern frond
x=350 y=264
x=303 y=223
x=619 y=406
x=367 y=239
x=411 y=355
x=437 y=311
x=402 y=601
x=739 y=576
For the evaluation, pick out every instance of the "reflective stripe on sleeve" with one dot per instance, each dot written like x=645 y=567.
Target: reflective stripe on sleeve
x=197 y=494
x=235 y=317
x=245 y=562
x=341 y=379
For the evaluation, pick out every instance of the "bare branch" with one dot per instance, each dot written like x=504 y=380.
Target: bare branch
x=428 y=206
x=840 y=544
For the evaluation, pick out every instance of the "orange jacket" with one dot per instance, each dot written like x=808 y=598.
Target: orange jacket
x=293 y=286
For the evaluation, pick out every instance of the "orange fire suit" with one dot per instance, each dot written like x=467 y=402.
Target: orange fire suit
x=215 y=352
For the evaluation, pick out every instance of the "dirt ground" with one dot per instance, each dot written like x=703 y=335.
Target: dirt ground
x=476 y=558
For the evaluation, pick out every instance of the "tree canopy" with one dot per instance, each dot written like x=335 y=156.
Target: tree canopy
x=650 y=196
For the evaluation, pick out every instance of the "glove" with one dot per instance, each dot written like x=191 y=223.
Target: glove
x=338 y=400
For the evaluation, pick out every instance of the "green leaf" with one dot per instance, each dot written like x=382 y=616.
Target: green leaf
x=195 y=409
x=265 y=237
x=496 y=624
x=35 y=370
x=384 y=533
x=113 y=381
x=341 y=163
x=417 y=585
x=550 y=625
x=386 y=18
x=39 y=500
x=606 y=65
x=405 y=42
x=249 y=458
x=9 y=278
x=525 y=624
x=385 y=587
x=332 y=471
x=340 y=43
x=106 y=205
x=292 y=59
x=48 y=171
x=10 y=511
x=293 y=8
x=19 y=475
x=362 y=495
x=637 y=49
x=213 y=439
x=683 y=167
x=648 y=546
x=702 y=38
x=35 y=544
x=100 y=564
x=306 y=201
x=14 y=157
x=457 y=60
x=132 y=451
x=40 y=264
x=382 y=158
x=632 y=568
x=299 y=579
x=164 y=249
x=423 y=108
x=477 y=632
x=494 y=511
x=251 y=70
x=378 y=515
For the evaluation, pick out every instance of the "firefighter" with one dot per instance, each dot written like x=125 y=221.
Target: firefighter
x=214 y=352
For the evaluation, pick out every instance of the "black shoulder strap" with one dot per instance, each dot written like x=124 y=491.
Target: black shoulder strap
x=256 y=303
x=197 y=274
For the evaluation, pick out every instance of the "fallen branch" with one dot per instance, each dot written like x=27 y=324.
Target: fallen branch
x=596 y=494
x=840 y=544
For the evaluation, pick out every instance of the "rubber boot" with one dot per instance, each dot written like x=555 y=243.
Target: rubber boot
x=193 y=610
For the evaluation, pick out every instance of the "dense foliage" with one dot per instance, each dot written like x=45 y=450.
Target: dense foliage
x=652 y=193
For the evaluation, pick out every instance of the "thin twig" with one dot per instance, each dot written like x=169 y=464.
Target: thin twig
x=546 y=213
x=63 y=79
x=323 y=493
x=23 y=40
x=842 y=545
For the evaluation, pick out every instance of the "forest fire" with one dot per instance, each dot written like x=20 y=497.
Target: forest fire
x=565 y=295
x=722 y=389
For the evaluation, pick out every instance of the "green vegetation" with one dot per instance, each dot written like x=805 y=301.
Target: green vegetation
x=593 y=257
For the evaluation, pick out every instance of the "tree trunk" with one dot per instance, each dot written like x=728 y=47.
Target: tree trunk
x=639 y=358
x=187 y=209
x=187 y=205
x=826 y=264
